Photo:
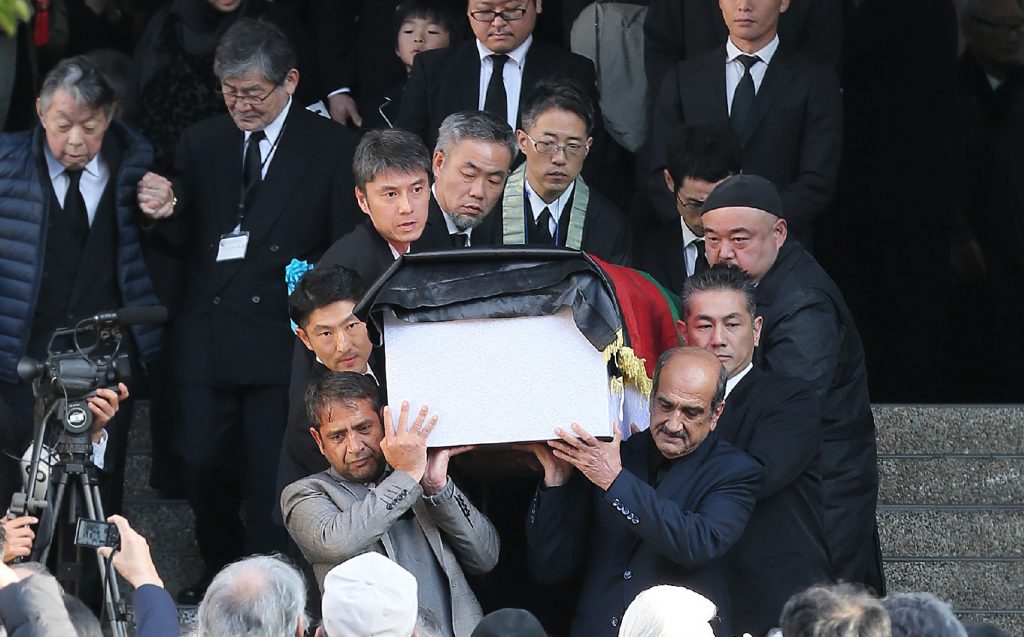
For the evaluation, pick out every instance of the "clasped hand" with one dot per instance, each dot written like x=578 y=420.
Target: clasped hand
x=405 y=449
x=600 y=462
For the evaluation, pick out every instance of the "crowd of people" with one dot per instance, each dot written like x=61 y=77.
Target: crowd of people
x=254 y=163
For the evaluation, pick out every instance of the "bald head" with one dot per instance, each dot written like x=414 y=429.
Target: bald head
x=687 y=399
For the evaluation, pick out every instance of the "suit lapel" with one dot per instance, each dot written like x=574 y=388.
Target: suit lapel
x=685 y=469
x=430 y=532
x=776 y=81
x=712 y=94
x=289 y=162
x=465 y=93
x=736 y=406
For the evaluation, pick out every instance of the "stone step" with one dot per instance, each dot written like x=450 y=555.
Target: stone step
x=942 y=480
x=1011 y=622
x=949 y=429
x=168 y=525
x=951 y=532
x=139 y=438
x=978 y=585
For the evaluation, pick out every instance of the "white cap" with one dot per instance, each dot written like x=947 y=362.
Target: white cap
x=369 y=596
x=668 y=611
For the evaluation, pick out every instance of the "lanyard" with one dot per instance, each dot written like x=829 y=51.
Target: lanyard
x=243 y=190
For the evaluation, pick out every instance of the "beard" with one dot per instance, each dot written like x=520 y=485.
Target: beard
x=466 y=222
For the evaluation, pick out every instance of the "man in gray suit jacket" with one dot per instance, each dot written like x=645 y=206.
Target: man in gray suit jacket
x=385 y=492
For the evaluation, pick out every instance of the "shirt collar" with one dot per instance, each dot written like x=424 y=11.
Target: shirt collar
x=766 y=53
x=688 y=235
x=273 y=129
x=55 y=168
x=735 y=380
x=517 y=54
x=537 y=204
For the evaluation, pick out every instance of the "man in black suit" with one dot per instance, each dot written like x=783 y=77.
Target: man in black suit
x=546 y=202
x=786 y=110
x=808 y=333
x=471 y=162
x=267 y=183
x=677 y=30
x=663 y=509
x=700 y=157
x=462 y=77
x=393 y=190
x=776 y=420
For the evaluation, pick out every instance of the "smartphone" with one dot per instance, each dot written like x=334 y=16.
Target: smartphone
x=95 y=533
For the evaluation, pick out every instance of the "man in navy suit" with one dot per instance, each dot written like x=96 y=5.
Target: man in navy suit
x=662 y=508
x=777 y=421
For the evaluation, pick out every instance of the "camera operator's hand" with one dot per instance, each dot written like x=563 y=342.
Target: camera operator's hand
x=19 y=537
x=103 y=407
x=132 y=560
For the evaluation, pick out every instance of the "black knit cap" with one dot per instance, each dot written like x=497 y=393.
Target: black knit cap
x=745 y=191
x=509 y=622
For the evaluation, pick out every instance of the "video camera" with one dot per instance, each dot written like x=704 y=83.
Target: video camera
x=75 y=367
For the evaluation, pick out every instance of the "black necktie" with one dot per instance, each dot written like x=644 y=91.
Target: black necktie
x=460 y=240
x=252 y=173
x=75 y=214
x=543 y=229
x=743 y=98
x=700 y=263
x=496 y=100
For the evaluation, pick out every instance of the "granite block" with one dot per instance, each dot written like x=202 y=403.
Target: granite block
x=168 y=525
x=951 y=533
x=177 y=570
x=136 y=477
x=949 y=429
x=139 y=438
x=973 y=585
x=1012 y=623
x=946 y=480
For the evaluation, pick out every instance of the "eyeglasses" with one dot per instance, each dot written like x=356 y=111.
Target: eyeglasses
x=1003 y=28
x=508 y=15
x=689 y=205
x=248 y=100
x=572 y=149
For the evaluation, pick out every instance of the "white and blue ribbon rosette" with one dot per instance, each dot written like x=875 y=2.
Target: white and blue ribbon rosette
x=293 y=273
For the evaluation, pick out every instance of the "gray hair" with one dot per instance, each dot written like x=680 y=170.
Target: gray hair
x=922 y=615
x=842 y=610
x=723 y=376
x=668 y=610
x=427 y=623
x=254 y=46
x=721 y=278
x=388 y=149
x=479 y=125
x=258 y=596
x=82 y=80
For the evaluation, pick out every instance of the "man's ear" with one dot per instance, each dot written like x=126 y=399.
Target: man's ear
x=715 y=416
x=671 y=183
x=681 y=328
x=361 y=200
x=780 y=230
x=758 y=322
x=313 y=431
x=301 y=333
x=522 y=139
x=436 y=163
x=291 y=81
x=39 y=109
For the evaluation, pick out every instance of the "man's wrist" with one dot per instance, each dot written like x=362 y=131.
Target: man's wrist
x=442 y=495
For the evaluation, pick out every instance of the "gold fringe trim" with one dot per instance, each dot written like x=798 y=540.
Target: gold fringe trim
x=634 y=370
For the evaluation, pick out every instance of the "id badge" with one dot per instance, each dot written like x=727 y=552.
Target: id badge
x=233 y=246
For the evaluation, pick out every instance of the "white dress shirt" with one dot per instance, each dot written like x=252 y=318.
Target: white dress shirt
x=734 y=68
x=512 y=74
x=735 y=380
x=537 y=205
x=94 y=180
x=269 y=144
x=689 y=248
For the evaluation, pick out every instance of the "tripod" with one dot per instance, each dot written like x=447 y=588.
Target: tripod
x=74 y=467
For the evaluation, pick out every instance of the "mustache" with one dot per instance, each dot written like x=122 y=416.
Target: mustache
x=678 y=435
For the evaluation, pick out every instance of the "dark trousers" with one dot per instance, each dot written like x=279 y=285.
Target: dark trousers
x=230 y=442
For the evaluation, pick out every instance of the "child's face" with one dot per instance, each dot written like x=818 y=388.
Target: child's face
x=419 y=34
